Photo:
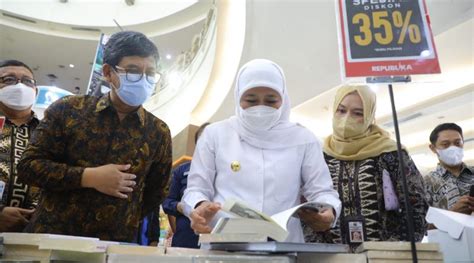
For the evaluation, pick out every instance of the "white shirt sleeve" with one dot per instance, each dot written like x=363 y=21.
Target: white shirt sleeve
x=203 y=171
x=317 y=182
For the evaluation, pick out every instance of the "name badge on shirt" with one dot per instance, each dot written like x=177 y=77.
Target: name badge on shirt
x=356 y=229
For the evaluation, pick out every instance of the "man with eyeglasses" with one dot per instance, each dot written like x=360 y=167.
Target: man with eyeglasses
x=102 y=162
x=17 y=121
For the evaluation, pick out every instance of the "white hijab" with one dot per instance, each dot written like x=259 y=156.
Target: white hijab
x=284 y=134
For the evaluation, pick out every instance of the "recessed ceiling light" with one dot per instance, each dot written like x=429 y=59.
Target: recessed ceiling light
x=71 y=65
x=168 y=56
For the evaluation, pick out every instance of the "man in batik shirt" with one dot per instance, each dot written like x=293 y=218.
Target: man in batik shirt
x=102 y=162
x=448 y=186
x=17 y=121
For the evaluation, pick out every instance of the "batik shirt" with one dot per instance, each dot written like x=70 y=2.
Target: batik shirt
x=363 y=195
x=85 y=131
x=13 y=142
x=444 y=189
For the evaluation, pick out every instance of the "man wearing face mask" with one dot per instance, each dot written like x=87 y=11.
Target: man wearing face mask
x=448 y=186
x=102 y=162
x=17 y=121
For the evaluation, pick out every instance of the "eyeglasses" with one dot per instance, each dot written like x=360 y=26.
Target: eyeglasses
x=12 y=80
x=135 y=75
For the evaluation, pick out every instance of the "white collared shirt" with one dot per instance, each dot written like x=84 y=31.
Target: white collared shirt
x=269 y=180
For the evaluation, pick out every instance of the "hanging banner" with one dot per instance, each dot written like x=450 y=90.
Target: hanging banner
x=97 y=86
x=386 y=38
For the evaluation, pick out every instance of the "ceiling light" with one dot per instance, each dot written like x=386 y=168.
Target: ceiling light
x=168 y=56
x=71 y=65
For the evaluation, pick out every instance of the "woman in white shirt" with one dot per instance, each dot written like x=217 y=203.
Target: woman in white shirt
x=261 y=158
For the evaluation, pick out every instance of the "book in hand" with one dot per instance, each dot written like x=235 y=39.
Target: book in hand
x=249 y=222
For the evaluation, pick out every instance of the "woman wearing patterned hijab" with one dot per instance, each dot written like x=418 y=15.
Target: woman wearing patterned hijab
x=259 y=157
x=364 y=166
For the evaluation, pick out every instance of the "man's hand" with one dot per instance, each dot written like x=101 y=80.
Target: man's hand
x=321 y=221
x=465 y=205
x=109 y=179
x=14 y=219
x=202 y=215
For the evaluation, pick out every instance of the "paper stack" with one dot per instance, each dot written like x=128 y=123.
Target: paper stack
x=46 y=247
x=391 y=252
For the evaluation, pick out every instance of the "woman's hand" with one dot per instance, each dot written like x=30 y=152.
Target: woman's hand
x=318 y=221
x=202 y=215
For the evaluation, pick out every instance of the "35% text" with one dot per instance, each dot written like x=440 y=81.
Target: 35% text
x=369 y=28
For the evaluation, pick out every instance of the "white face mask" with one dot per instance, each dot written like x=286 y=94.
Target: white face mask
x=451 y=156
x=18 y=96
x=260 y=117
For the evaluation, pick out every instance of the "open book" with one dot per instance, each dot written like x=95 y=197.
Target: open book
x=255 y=225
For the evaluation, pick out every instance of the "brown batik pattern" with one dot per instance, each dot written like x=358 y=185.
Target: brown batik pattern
x=85 y=131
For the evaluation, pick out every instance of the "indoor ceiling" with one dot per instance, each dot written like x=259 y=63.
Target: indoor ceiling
x=69 y=58
x=311 y=59
x=99 y=13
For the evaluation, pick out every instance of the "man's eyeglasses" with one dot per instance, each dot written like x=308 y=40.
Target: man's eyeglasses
x=135 y=75
x=12 y=80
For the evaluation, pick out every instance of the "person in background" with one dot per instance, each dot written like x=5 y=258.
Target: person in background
x=17 y=95
x=448 y=186
x=183 y=235
x=102 y=162
x=259 y=157
x=364 y=166
x=150 y=230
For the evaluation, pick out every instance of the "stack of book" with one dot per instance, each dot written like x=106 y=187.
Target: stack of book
x=122 y=253
x=46 y=247
x=391 y=252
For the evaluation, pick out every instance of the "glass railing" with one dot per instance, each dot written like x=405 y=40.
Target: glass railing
x=185 y=67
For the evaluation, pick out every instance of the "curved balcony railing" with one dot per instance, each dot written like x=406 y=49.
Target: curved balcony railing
x=186 y=66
